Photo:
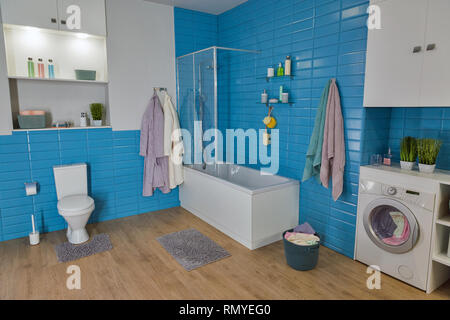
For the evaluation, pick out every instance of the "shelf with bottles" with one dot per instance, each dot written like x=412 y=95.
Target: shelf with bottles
x=274 y=78
x=276 y=103
x=280 y=72
x=56 y=80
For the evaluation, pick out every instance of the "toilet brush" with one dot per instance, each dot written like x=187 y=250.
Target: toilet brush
x=34 y=236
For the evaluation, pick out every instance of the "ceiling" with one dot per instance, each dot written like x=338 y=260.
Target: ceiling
x=208 y=6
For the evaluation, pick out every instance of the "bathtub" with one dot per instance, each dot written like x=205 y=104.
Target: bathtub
x=251 y=208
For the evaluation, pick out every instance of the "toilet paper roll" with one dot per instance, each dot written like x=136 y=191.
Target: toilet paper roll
x=31 y=188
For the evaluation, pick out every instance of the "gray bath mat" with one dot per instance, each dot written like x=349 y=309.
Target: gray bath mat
x=192 y=249
x=69 y=252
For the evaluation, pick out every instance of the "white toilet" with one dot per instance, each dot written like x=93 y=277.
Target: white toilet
x=74 y=204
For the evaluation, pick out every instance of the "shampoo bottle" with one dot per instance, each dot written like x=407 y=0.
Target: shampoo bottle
x=287 y=66
x=30 y=64
x=264 y=97
x=51 y=69
x=41 y=71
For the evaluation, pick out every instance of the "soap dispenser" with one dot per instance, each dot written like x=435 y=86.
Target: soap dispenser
x=280 y=70
x=264 y=97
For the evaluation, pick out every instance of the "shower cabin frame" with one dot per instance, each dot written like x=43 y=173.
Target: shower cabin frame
x=193 y=54
x=216 y=104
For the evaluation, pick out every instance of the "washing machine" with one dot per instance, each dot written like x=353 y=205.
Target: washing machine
x=394 y=224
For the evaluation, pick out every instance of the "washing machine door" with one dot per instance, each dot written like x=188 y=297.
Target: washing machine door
x=391 y=225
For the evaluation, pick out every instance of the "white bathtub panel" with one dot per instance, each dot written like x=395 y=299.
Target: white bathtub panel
x=223 y=207
x=273 y=213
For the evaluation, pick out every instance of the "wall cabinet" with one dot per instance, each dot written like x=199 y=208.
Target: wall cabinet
x=52 y=14
x=407 y=61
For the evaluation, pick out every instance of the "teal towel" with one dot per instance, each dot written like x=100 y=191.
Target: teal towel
x=314 y=154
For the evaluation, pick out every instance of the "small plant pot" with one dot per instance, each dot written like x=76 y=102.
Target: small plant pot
x=427 y=168
x=406 y=165
x=97 y=123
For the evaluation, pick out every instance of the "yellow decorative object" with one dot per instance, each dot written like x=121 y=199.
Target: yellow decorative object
x=270 y=122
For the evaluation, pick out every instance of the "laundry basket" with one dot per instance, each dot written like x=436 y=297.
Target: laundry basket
x=301 y=258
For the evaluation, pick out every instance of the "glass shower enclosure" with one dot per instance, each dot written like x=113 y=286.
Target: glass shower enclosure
x=204 y=81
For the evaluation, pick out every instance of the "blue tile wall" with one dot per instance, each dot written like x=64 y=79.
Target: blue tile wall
x=194 y=31
x=326 y=38
x=114 y=170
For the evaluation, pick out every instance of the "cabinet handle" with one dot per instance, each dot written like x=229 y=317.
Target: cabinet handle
x=63 y=21
x=53 y=20
x=431 y=46
x=417 y=49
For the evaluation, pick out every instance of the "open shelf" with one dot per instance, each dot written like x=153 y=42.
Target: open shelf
x=282 y=103
x=442 y=258
x=268 y=79
x=445 y=221
x=56 y=80
x=62 y=128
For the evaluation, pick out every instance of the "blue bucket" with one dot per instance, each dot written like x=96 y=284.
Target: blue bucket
x=301 y=258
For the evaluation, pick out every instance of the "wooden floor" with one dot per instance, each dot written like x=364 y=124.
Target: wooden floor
x=139 y=268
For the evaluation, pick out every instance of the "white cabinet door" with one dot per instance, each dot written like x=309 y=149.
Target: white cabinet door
x=92 y=16
x=36 y=13
x=393 y=71
x=436 y=68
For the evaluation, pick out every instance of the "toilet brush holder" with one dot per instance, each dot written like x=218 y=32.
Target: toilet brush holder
x=34 y=238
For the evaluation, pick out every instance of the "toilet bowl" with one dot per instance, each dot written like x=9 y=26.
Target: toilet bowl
x=74 y=204
x=76 y=210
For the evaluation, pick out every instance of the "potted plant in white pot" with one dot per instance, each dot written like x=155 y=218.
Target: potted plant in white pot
x=97 y=114
x=408 y=153
x=428 y=150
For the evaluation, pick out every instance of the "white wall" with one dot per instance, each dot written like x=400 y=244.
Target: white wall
x=5 y=103
x=141 y=55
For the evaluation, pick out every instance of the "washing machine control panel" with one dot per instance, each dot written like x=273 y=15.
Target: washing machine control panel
x=420 y=199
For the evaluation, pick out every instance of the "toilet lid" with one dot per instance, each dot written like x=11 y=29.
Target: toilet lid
x=75 y=203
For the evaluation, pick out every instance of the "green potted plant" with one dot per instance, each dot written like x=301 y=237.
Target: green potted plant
x=97 y=114
x=408 y=153
x=428 y=150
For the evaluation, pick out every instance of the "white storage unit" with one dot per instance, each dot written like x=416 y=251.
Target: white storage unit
x=52 y=14
x=407 y=61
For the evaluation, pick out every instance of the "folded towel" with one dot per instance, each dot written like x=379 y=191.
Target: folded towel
x=304 y=228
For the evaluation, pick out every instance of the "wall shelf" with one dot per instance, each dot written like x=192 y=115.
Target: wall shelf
x=56 y=80
x=278 y=103
x=69 y=128
x=268 y=79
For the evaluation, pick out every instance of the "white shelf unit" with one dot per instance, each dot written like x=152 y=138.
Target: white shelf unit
x=63 y=98
x=440 y=263
x=69 y=128
x=57 y=80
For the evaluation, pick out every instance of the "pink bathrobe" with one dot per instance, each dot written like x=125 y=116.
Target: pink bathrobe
x=333 y=148
x=156 y=166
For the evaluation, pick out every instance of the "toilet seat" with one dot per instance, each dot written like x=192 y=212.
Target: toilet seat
x=75 y=205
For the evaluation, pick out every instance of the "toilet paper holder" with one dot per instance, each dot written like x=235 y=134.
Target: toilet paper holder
x=31 y=188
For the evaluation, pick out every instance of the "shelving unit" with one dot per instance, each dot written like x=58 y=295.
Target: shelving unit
x=278 y=103
x=440 y=262
x=268 y=79
x=56 y=80
x=69 y=128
